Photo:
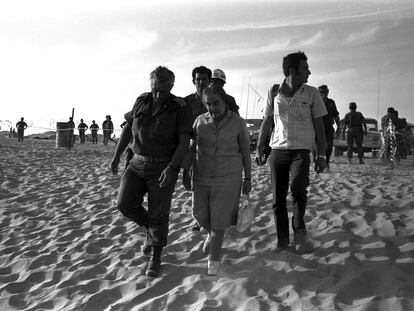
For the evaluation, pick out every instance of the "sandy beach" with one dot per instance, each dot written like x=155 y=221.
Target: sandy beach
x=64 y=245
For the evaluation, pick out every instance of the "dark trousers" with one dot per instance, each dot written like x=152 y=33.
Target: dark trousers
x=357 y=136
x=329 y=133
x=94 y=137
x=82 y=136
x=293 y=163
x=20 y=135
x=135 y=183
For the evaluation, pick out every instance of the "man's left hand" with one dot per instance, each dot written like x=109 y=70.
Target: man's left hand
x=320 y=165
x=247 y=186
x=167 y=176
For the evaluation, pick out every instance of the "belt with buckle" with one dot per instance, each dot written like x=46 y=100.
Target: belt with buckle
x=146 y=158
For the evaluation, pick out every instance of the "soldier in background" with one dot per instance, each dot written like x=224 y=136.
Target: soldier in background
x=82 y=127
x=21 y=126
x=94 y=130
x=357 y=128
x=108 y=129
x=219 y=78
x=329 y=119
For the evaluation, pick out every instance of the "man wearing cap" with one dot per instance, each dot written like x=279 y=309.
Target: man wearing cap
x=94 y=131
x=160 y=127
x=108 y=129
x=295 y=109
x=357 y=128
x=82 y=127
x=329 y=119
x=201 y=79
x=219 y=78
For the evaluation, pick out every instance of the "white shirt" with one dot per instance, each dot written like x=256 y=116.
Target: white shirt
x=293 y=117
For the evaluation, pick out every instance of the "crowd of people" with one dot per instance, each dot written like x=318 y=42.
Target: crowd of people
x=203 y=135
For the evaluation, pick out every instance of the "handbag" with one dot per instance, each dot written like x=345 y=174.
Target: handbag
x=245 y=214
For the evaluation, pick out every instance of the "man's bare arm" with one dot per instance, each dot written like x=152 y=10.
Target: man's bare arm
x=124 y=140
x=264 y=131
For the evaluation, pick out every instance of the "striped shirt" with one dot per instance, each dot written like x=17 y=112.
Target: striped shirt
x=293 y=117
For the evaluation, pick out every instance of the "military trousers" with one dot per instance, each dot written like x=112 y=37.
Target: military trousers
x=136 y=182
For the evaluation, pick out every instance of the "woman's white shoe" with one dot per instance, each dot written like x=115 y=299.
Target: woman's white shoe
x=213 y=267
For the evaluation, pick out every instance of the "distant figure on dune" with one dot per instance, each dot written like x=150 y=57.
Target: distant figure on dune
x=108 y=129
x=82 y=127
x=201 y=79
x=219 y=78
x=329 y=119
x=21 y=126
x=296 y=111
x=160 y=125
x=357 y=128
x=71 y=127
x=221 y=152
x=94 y=131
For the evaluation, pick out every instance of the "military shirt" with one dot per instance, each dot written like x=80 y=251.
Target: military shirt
x=196 y=105
x=158 y=134
x=331 y=110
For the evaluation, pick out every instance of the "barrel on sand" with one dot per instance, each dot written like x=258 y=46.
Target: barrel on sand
x=64 y=135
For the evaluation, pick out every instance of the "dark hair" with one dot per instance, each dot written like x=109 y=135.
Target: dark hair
x=291 y=61
x=217 y=90
x=390 y=110
x=201 y=70
x=163 y=73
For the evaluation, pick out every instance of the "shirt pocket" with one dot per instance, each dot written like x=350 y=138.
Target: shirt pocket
x=164 y=126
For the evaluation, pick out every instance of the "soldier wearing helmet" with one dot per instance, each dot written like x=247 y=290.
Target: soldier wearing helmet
x=219 y=78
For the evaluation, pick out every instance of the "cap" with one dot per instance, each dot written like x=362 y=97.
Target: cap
x=352 y=105
x=323 y=88
x=219 y=74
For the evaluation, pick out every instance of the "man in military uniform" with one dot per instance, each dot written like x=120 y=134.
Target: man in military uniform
x=94 y=131
x=357 y=128
x=108 y=129
x=159 y=125
x=201 y=79
x=71 y=127
x=329 y=119
x=82 y=127
x=21 y=126
x=219 y=78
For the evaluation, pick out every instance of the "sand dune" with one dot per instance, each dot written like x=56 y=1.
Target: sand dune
x=64 y=246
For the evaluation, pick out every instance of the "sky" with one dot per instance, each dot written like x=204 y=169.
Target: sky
x=96 y=56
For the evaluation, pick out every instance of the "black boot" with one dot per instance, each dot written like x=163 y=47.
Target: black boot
x=154 y=264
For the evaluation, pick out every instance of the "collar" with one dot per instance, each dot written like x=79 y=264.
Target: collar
x=300 y=89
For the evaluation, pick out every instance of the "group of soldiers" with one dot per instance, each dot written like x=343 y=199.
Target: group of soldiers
x=107 y=128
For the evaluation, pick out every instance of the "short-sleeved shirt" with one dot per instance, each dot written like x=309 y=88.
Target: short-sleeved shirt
x=220 y=148
x=94 y=127
x=21 y=125
x=354 y=120
x=196 y=105
x=158 y=135
x=332 y=112
x=82 y=127
x=293 y=117
x=108 y=125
